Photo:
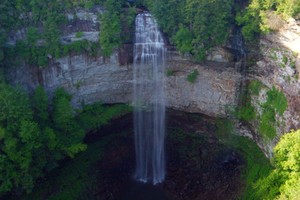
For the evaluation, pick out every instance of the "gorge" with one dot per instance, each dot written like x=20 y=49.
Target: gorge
x=243 y=88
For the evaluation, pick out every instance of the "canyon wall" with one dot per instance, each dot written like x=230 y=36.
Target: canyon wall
x=277 y=66
x=96 y=79
x=216 y=88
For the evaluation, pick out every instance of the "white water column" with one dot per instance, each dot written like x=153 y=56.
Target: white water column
x=149 y=100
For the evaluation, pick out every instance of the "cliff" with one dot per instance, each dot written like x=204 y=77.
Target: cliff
x=217 y=87
x=278 y=66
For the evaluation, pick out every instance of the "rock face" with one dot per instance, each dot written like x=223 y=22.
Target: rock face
x=215 y=88
x=87 y=79
x=279 y=67
x=110 y=80
x=95 y=79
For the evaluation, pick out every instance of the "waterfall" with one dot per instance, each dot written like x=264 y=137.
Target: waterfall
x=149 y=100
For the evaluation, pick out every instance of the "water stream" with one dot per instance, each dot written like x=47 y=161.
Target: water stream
x=149 y=100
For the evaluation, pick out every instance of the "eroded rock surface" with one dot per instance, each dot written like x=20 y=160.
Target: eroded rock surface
x=96 y=79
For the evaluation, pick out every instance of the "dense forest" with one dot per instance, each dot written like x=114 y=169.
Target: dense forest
x=193 y=26
x=36 y=132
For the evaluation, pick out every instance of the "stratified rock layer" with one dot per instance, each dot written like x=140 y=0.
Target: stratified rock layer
x=95 y=79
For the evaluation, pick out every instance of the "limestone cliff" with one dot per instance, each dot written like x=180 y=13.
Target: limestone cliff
x=96 y=79
x=278 y=66
x=92 y=79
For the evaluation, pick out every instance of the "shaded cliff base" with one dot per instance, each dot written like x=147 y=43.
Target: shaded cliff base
x=200 y=164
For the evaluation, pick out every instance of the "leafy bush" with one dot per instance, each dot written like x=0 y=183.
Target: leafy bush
x=246 y=112
x=267 y=123
x=34 y=136
x=257 y=165
x=110 y=33
x=93 y=116
x=255 y=87
x=186 y=22
x=259 y=16
x=79 y=34
x=193 y=76
x=283 y=181
x=277 y=100
x=183 y=40
x=276 y=103
x=170 y=72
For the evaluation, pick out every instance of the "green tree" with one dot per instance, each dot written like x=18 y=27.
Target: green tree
x=40 y=106
x=194 y=25
x=27 y=148
x=283 y=181
x=183 y=40
x=70 y=133
x=110 y=31
x=20 y=141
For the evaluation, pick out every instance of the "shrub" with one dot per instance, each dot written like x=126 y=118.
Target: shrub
x=283 y=181
x=183 y=40
x=277 y=100
x=276 y=103
x=193 y=76
x=267 y=124
x=246 y=112
x=79 y=34
x=255 y=87
x=285 y=60
x=170 y=72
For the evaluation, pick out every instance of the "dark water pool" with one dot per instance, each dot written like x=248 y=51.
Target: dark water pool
x=143 y=191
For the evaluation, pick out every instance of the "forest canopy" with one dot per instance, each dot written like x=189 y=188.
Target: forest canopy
x=36 y=133
x=193 y=26
x=284 y=181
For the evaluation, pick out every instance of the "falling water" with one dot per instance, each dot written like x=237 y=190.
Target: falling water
x=149 y=100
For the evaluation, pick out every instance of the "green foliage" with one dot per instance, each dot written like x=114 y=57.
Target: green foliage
x=257 y=165
x=110 y=33
x=20 y=141
x=14 y=107
x=93 y=116
x=258 y=17
x=246 y=112
x=127 y=17
x=288 y=7
x=44 y=19
x=277 y=100
x=183 y=40
x=194 y=26
x=283 y=181
x=250 y=19
x=285 y=60
x=73 y=179
x=79 y=34
x=192 y=76
x=224 y=127
x=34 y=137
x=170 y=72
x=254 y=87
x=40 y=105
x=267 y=123
x=276 y=103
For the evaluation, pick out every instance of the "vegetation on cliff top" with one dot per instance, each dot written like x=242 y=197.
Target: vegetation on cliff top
x=193 y=26
x=261 y=16
x=42 y=22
